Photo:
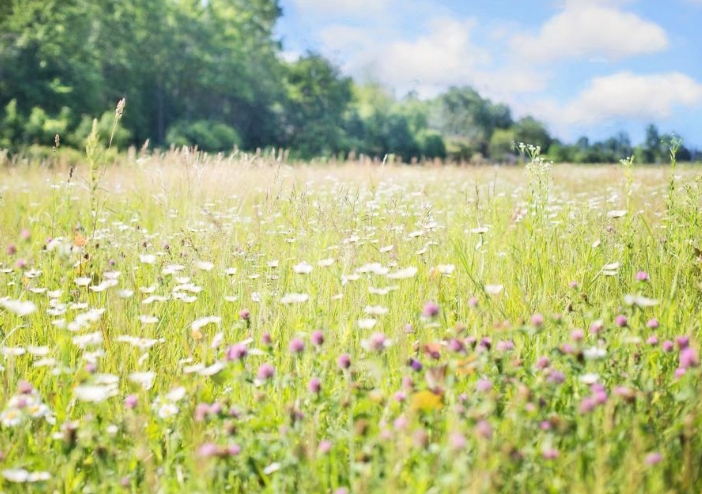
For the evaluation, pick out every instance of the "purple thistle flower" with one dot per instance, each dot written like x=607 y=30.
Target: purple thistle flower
x=573 y=285
x=456 y=345
x=400 y=423
x=415 y=364
x=652 y=323
x=25 y=235
x=577 y=335
x=130 y=402
x=596 y=327
x=344 y=361
x=431 y=309
x=24 y=387
x=537 y=320
x=266 y=339
x=265 y=372
x=653 y=458
x=682 y=342
x=315 y=385
x=317 y=338
x=667 y=346
x=556 y=377
x=11 y=250
x=621 y=321
x=236 y=352
x=483 y=385
x=400 y=396
x=504 y=345
x=296 y=345
x=680 y=372
x=652 y=340
x=472 y=302
x=377 y=342
x=587 y=405
x=324 y=447
x=458 y=441
x=208 y=450
x=642 y=276
x=483 y=429
x=244 y=314
x=542 y=363
x=550 y=454
x=201 y=412
x=689 y=358
x=232 y=450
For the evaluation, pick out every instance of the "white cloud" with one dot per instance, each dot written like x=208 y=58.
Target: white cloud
x=624 y=96
x=441 y=55
x=591 y=29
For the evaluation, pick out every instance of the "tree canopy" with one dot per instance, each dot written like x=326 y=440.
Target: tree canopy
x=211 y=73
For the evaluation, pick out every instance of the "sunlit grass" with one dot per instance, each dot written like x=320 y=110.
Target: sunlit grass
x=235 y=324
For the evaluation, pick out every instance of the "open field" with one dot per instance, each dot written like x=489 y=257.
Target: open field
x=233 y=325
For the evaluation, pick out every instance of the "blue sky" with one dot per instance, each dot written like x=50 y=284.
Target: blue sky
x=584 y=67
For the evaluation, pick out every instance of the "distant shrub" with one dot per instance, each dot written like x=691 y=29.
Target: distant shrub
x=120 y=139
x=206 y=135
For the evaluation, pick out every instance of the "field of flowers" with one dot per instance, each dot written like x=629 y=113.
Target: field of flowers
x=237 y=325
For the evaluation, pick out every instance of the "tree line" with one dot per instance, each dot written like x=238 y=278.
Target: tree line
x=211 y=73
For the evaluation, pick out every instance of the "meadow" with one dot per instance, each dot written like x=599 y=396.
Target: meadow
x=180 y=322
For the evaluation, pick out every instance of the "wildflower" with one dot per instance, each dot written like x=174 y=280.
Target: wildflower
x=621 y=321
x=653 y=458
x=652 y=340
x=689 y=358
x=130 y=402
x=457 y=441
x=167 y=410
x=537 y=320
x=11 y=250
x=556 y=377
x=667 y=346
x=295 y=298
x=266 y=339
x=244 y=314
x=415 y=364
x=208 y=450
x=483 y=385
x=542 y=363
x=652 y=323
x=642 y=276
x=400 y=423
x=317 y=338
x=400 y=396
x=682 y=342
x=472 y=302
x=236 y=352
x=456 y=345
x=376 y=343
x=95 y=393
x=550 y=454
x=505 y=345
x=344 y=361
x=431 y=310
x=296 y=346
x=265 y=372
x=587 y=405
x=324 y=447
x=483 y=429
x=573 y=285
x=577 y=335
x=596 y=327
x=315 y=385
x=680 y=372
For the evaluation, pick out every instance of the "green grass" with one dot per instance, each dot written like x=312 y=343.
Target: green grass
x=543 y=235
